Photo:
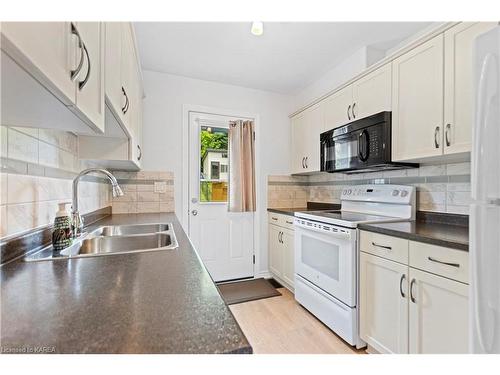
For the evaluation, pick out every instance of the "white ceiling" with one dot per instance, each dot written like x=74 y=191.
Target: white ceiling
x=286 y=58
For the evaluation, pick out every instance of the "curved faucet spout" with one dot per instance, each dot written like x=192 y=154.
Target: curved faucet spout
x=77 y=219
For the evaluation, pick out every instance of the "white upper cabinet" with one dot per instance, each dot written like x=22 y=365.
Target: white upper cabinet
x=459 y=84
x=439 y=311
x=62 y=59
x=417 y=102
x=298 y=145
x=315 y=126
x=44 y=49
x=90 y=80
x=338 y=108
x=372 y=93
x=114 y=94
x=306 y=129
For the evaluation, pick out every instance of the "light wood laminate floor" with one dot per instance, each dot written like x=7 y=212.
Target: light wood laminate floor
x=280 y=325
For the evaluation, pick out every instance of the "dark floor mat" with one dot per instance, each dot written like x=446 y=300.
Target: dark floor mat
x=250 y=290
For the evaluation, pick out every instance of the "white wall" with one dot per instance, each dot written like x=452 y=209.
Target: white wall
x=163 y=110
x=347 y=69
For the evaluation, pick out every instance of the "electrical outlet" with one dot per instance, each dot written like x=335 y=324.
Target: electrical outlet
x=160 y=187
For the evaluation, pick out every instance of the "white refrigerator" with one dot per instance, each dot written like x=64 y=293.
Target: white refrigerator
x=485 y=208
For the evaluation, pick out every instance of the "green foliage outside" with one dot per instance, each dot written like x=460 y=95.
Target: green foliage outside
x=217 y=140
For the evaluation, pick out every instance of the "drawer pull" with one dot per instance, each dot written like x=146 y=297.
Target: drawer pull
x=289 y=222
x=274 y=218
x=382 y=246
x=457 y=265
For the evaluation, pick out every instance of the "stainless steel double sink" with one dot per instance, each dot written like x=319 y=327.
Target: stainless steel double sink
x=115 y=239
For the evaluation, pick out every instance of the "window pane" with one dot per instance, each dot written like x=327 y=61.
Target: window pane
x=213 y=164
x=213 y=191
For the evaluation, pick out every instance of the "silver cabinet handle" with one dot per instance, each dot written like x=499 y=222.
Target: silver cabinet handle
x=352 y=111
x=194 y=212
x=447 y=135
x=307 y=157
x=74 y=73
x=303 y=163
x=348 y=109
x=82 y=84
x=413 y=281
x=403 y=278
x=382 y=246
x=140 y=153
x=457 y=265
x=289 y=222
x=436 y=140
x=274 y=218
x=281 y=238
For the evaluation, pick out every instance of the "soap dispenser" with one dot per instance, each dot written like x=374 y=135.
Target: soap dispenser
x=62 y=234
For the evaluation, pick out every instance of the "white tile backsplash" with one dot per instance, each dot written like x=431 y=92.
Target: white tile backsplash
x=435 y=192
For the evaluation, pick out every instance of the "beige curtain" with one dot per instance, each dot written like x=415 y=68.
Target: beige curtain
x=241 y=166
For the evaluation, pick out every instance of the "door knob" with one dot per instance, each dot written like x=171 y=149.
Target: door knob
x=194 y=212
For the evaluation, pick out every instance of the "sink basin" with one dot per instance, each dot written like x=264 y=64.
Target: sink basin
x=114 y=239
x=102 y=245
x=124 y=230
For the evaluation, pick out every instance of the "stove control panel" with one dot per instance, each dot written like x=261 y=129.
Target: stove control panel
x=399 y=194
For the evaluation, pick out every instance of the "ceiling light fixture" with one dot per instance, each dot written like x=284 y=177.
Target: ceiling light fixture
x=257 y=28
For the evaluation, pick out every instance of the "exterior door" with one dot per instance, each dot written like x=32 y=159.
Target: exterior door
x=224 y=240
x=383 y=304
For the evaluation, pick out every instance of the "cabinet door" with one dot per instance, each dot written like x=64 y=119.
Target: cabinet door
x=417 y=102
x=383 y=304
x=90 y=82
x=298 y=150
x=314 y=123
x=113 y=88
x=128 y=74
x=275 y=251
x=372 y=93
x=338 y=108
x=43 y=49
x=288 y=256
x=438 y=314
x=459 y=94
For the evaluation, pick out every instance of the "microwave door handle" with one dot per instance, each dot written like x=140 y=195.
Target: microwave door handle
x=363 y=145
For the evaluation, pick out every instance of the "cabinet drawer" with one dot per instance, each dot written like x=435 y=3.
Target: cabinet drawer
x=285 y=221
x=443 y=261
x=388 y=247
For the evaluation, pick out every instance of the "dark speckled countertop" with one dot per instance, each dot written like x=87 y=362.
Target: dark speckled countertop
x=154 y=302
x=440 y=234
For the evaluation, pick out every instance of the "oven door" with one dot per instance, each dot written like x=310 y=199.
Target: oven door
x=328 y=260
x=340 y=152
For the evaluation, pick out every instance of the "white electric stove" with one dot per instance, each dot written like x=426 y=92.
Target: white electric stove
x=326 y=256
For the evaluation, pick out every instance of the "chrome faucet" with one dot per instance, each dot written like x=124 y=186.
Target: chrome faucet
x=75 y=214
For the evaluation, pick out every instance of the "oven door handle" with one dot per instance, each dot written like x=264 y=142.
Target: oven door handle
x=341 y=235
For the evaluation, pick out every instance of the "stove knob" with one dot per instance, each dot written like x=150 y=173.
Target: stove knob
x=404 y=193
x=349 y=191
x=395 y=193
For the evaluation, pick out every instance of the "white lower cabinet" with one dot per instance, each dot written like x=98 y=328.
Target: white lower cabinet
x=281 y=249
x=438 y=318
x=383 y=304
x=408 y=310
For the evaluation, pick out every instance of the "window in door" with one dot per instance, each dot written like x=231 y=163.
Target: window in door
x=213 y=164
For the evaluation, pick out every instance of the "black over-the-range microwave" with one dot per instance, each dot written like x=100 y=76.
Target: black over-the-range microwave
x=363 y=145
